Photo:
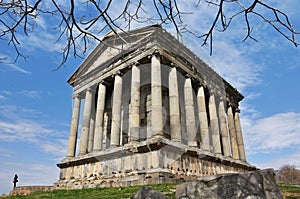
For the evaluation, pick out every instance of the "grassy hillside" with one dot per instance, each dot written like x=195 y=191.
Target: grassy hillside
x=289 y=192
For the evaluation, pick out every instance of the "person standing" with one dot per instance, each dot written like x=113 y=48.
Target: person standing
x=15 y=180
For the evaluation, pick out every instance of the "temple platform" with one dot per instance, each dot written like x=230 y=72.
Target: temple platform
x=155 y=161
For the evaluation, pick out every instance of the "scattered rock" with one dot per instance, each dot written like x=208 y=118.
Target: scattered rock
x=147 y=193
x=251 y=185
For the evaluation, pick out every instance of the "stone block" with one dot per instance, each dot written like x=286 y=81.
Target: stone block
x=147 y=193
x=252 y=185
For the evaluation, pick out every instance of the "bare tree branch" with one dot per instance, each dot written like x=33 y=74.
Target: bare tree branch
x=79 y=28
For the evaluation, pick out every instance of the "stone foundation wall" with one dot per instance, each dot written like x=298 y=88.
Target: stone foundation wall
x=153 y=163
x=26 y=190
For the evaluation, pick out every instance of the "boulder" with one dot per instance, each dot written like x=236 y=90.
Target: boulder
x=259 y=184
x=147 y=193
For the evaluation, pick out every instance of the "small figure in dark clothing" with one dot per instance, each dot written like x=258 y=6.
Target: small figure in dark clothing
x=15 y=180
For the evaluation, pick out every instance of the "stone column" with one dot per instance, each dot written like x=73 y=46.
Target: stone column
x=92 y=128
x=134 y=111
x=204 y=131
x=98 y=137
x=156 y=97
x=86 y=122
x=232 y=132
x=239 y=135
x=74 y=127
x=190 y=113
x=116 y=112
x=105 y=142
x=223 y=127
x=175 y=124
x=214 y=125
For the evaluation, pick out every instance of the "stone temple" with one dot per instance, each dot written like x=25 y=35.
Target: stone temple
x=147 y=111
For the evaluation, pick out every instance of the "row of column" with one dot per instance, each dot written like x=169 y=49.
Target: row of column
x=213 y=133
x=218 y=128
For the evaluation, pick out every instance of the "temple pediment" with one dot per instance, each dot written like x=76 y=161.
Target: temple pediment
x=112 y=48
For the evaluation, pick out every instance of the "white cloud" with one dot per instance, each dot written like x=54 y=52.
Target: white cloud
x=10 y=64
x=26 y=125
x=5 y=152
x=41 y=22
x=234 y=66
x=22 y=130
x=58 y=148
x=15 y=113
x=19 y=69
x=31 y=93
x=35 y=94
x=6 y=92
x=277 y=132
x=40 y=40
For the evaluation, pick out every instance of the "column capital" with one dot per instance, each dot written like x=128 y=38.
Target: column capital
x=237 y=110
x=188 y=76
x=156 y=52
x=117 y=73
x=204 y=84
x=135 y=63
x=194 y=69
x=201 y=83
x=91 y=89
x=77 y=95
x=103 y=82
x=220 y=98
x=232 y=105
x=173 y=65
x=212 y=91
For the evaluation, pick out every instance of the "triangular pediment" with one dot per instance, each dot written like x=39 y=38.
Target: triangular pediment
x=113 y=47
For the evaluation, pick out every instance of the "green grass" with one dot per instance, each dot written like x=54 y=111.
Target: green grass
x=290 y=191
x=126 y=192
x=102 y=193
x=290 y=188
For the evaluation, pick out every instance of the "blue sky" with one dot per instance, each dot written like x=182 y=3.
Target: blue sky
x=36 y=103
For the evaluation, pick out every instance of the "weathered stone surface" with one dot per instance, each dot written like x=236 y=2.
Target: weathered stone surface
x=147 y=193
x=252 y=185
x=26 y=190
